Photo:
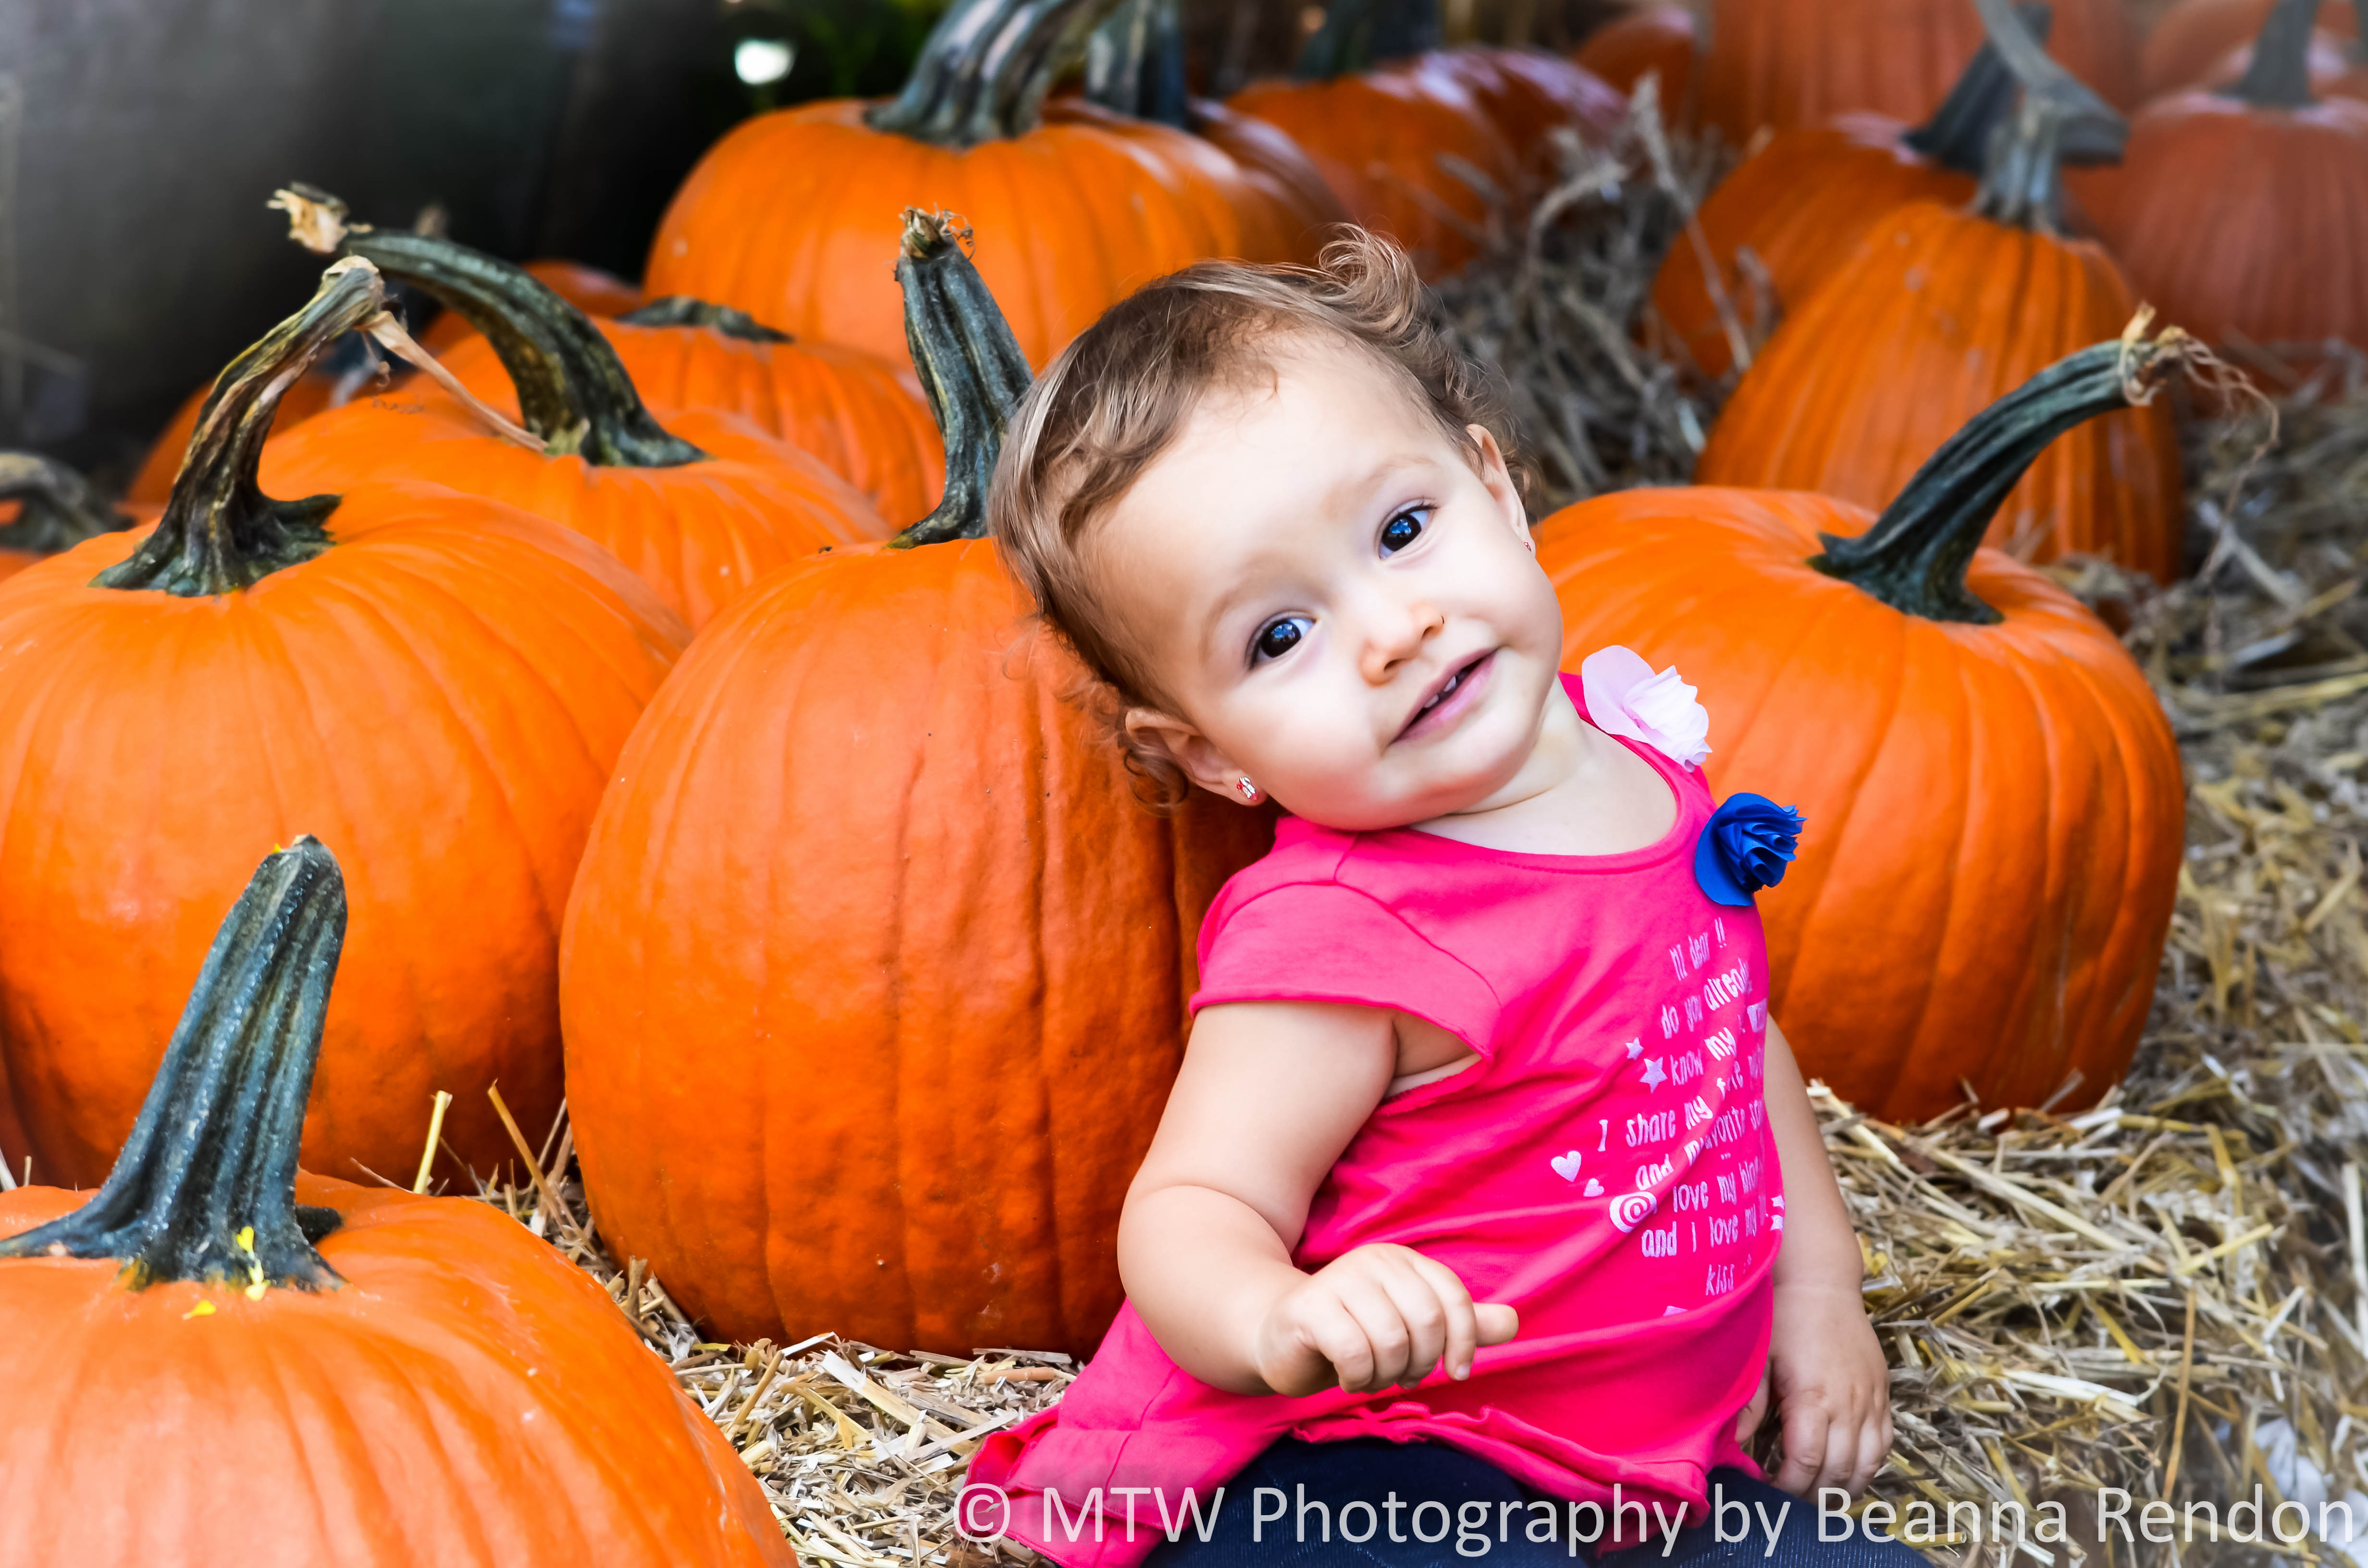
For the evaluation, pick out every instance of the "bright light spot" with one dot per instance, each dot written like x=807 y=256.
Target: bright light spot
x=760 y=62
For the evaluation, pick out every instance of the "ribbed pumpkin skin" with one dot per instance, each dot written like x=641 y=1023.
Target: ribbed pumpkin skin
x=438 y=696
x=2193 y=36
x=866 y=864
x=788 y=216
x=1995 y=812
x=1803 y=203
x=699 y=534
x=1934 y=317
x=1273 y=163
x=1658 y=38
x=1782 y=62
x=1529 y=95
x=864 y=417
x=468 y=1399
x=1377 y=136
x=2236 y=220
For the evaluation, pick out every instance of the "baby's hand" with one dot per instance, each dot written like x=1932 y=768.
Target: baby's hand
x=1373 y=1317
x=1832 y=1389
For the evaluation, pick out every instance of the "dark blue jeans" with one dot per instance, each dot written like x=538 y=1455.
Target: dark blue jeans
x=1368 y=1501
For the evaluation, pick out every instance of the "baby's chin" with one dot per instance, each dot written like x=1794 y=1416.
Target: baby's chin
x=1376 y=805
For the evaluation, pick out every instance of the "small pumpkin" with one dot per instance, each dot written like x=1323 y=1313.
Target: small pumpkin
x=864 y=418
x=2193 y=37
x=867 y=858
x=699 y=503
x=2236 y=212
x=1938 y=313
x=442 y=681
x=787 y=216
x=1993 y=790
x=314 y=1373
x=1803 y=201
x=1660 y=40
x=1781 y=63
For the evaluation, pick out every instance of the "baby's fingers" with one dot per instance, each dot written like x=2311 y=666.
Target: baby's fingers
x=1499 y=1323
x=1459 y=1318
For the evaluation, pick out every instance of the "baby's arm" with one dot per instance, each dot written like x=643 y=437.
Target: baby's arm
x=1831 y=1385
x=1270 y=1095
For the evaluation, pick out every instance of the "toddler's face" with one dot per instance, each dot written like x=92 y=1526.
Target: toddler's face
x=1342 y=609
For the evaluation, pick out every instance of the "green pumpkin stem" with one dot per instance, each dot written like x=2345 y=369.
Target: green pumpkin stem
x=56 y=508
x=211 y=1159
x=985 y=69
x=682 y=310
x=220 y=532
x=1135 y=63
x=2059 y=118
x=1359 y=34
x=2279 y=77
x=573 y=391
x=968 y=363
x=1914 y=557
x=1958 y=135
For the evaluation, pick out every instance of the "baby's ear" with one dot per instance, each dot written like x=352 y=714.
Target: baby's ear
x=1497 y=475
x=1154 y=735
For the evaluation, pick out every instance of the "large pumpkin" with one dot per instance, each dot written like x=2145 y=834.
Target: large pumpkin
x=868 y=862
x=864 y=417
x=2192 y=37
x=788 y=216
x=439 y=682
x=699 y=503
x=1938 y=313
x=2238 y=213
x=1993 y=795
x=1660 y=40
x=1803 y=202
x=1779 y=62
x=216 y=1362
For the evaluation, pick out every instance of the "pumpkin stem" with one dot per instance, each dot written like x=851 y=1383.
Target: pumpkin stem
x=2059 y=118
x=968 y=363
x=985 y=67
x=682 y=310
x=1915 y=555
x=220 y=532
x=1134 y=62
x=1357 y=34
x=572 y=391
x=205 y=1185
x=1958 y=135
x=56 y=509
x=2279 y=77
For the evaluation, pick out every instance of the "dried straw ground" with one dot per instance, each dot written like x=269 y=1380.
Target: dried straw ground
x=2167 y=1293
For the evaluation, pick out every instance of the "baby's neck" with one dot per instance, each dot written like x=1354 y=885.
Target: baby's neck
x=1581 y=793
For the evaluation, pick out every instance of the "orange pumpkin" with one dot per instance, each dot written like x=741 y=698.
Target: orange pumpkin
x=700 y=503
x=1805 y=201
x=1779 y=62
x=1993 y=794
x=314 y=1373
x=2330 y=68
x=2193 y=36
x=1656 y=38
x=864 y=418
x=867 y=857
x=439 y=682
x=2238 y=213
x=1531 y=95
x=786 y=217
x=1937 y=314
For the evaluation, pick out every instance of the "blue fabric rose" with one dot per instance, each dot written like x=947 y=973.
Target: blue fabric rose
x=1745 y=847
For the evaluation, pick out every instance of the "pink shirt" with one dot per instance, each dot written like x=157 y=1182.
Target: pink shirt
x=1606 y=1169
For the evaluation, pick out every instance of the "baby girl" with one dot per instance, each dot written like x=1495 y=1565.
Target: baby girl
x=1487 y=1183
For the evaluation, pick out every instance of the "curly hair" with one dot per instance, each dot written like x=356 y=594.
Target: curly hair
x=1120 y=393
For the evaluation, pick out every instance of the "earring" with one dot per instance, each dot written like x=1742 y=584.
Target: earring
x=1249 y=791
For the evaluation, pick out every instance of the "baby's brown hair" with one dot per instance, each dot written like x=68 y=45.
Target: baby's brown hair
x=1115 y=399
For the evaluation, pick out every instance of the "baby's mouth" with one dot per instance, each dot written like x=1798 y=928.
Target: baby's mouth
x=1454 y=683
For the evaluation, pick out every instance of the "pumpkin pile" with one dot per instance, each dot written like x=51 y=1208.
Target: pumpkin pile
x=638 y=650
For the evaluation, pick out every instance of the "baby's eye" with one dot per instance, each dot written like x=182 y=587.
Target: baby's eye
x=1278 y=638
x=1403 y=529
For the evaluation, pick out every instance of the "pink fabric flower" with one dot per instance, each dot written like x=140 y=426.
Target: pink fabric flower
x=1625 y=698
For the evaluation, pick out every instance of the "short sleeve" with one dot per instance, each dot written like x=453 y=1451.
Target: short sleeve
x=1323 y=942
